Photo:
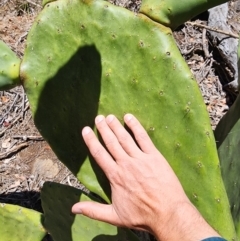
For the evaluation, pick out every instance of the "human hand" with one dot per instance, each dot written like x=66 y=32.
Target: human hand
x=146 y=193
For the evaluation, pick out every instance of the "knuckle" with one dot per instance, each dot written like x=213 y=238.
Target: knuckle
x=110 y=142
x=114 y=177
x=97 y=152
x=123 y=138
x=91 y=214
x=141 y=136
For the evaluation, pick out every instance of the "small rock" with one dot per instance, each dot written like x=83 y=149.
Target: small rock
x=45 y=168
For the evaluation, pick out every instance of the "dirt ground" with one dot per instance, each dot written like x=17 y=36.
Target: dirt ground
x=22 y=149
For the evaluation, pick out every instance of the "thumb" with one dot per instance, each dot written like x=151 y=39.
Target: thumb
x=97 y=211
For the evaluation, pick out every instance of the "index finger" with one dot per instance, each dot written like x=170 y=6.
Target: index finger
x=98 y=152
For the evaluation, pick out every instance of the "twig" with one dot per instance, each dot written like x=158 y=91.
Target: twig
x=13 y=150
x=12 y=144
x=23 y=103
x=207 y=72
x=3 y=132
x=186 y=52
x=69 y=182
x=14 y=101
x=34 y=3
x=34 y=180
x=27 y=184
x=205 y=44
x=213 y=29
x=20 y=39
x=65 y=177
x=37 y=184
x=19 y=117
x=25 y=138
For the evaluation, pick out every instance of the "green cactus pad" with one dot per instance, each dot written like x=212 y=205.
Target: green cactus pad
x=57 y=201
x=85 y=58
x=227 y=136
x=9 y=68
x=173 y=13
x=20 y=224
x=228 y=140
x=44 y=2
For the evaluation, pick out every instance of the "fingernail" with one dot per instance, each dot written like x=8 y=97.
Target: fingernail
x=110 y=118
x=99 y=118
x=76 y=210
x=86 y=130
x=128 y=117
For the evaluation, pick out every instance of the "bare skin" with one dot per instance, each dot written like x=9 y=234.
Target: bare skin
x=146 y=193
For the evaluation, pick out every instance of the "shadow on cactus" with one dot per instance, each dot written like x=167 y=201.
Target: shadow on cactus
x=85 y=58
x=65 y=226
x=66 y=103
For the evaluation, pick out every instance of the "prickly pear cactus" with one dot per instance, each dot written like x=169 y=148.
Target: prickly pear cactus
x=87 y=57
x=227 y=136
x=9 y=68
x=20 y=224
x=57 y=200
x=84 y=58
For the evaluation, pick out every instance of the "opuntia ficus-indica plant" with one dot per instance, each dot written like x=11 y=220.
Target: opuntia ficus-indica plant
x=86 y=57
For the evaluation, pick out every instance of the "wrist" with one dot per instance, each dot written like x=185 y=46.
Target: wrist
x=184 y=222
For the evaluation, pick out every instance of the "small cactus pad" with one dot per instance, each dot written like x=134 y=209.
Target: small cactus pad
x=228 y=140
x=57 y=201
x=173 y=13
x=20 y=224
x=9 y=68
x=85 y=58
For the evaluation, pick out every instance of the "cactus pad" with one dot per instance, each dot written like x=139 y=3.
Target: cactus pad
x=57 y=201
x=227 y=136
x=85 y=58
x=20 y=224
x=172 y=14
x=9 y=68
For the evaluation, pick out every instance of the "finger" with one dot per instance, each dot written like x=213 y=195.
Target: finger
x=140 y=133
x=109 y=138
x=124 y=138
x=98 y=152
x=97 y=211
